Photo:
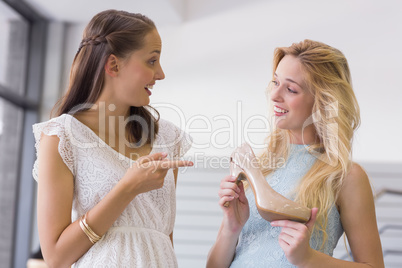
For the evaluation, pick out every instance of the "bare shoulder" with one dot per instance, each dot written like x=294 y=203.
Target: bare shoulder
x=356 y=186
x=49 y=158
x=357 y=171
x=357 y=212
x=356 y=176
x=48 y=144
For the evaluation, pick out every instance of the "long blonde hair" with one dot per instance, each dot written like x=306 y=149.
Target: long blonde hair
x=335 y=116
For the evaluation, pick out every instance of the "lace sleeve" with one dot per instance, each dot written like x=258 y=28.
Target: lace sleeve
x=53 y=128
x=177 y=141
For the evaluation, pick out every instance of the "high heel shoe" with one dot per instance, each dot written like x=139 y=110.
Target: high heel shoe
x=270 y=204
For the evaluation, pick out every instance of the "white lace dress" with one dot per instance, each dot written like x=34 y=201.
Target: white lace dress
x=140 y=236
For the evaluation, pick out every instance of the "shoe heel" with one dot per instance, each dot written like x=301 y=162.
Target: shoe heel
x=237 y=172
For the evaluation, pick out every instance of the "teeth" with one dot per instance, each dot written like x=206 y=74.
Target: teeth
x=279 y=110
x=149 y=86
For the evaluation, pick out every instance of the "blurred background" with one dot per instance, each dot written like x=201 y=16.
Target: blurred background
x=217 y=57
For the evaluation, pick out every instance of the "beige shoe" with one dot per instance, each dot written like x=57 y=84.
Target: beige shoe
x=270 y=204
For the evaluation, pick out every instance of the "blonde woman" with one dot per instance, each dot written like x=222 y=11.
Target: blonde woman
x=316 y=114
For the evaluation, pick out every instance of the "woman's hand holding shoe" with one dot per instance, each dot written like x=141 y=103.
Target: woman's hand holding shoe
x=236 y=213
x=294 y=239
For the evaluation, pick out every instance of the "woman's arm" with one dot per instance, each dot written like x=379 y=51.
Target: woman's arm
x=62 y=241
x=223 y=250
x=234 y=217
x=175 y=174
x=357 y=211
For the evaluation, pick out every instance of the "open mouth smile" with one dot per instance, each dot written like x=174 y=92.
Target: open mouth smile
x=147 y=88
x=280 y=111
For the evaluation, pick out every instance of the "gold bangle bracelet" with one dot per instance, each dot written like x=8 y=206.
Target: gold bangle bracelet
x=90 y=231
x=92 y=236
x=86 y=232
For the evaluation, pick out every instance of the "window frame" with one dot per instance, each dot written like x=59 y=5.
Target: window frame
x=30 y=103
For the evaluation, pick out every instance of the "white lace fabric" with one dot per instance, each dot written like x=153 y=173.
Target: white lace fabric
x=140 y=236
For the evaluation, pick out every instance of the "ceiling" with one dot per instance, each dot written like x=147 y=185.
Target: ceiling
x=161 y=11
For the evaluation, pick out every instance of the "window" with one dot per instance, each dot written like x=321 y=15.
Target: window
x=13 y=49
x=13 y=55
x=22 y=41
x=11 y=122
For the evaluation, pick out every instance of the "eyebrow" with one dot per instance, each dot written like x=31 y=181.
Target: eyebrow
x=289 y=80
x=156 y=51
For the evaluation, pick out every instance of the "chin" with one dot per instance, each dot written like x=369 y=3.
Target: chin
x=140 y=104
x=280 y=124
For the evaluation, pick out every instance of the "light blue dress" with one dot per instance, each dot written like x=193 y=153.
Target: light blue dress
x=258 y=242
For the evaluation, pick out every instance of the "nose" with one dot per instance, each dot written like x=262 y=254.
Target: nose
x=275 y=94
x=159 y=74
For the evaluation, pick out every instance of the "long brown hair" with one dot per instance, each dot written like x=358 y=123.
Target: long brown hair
x=109 y=32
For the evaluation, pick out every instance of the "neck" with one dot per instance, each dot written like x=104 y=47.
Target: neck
x=107 y=109
x=108 y=106
x=106 y=118
x=112 y=118
x=305 y=136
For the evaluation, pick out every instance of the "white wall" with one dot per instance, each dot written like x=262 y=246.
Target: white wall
x=214 y=62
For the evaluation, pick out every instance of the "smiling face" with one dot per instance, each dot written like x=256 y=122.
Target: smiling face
x=137 y=74
x=291 y=99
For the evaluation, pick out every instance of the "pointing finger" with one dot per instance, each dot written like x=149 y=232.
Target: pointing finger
x=168 y=164
x=152 y=157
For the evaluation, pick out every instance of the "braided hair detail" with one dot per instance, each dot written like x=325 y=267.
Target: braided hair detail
x=94 y=41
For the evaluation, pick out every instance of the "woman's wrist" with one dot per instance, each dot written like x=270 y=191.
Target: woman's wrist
x=128 y=188
x=232 y=223
x=230 y=231
x=309 y=259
